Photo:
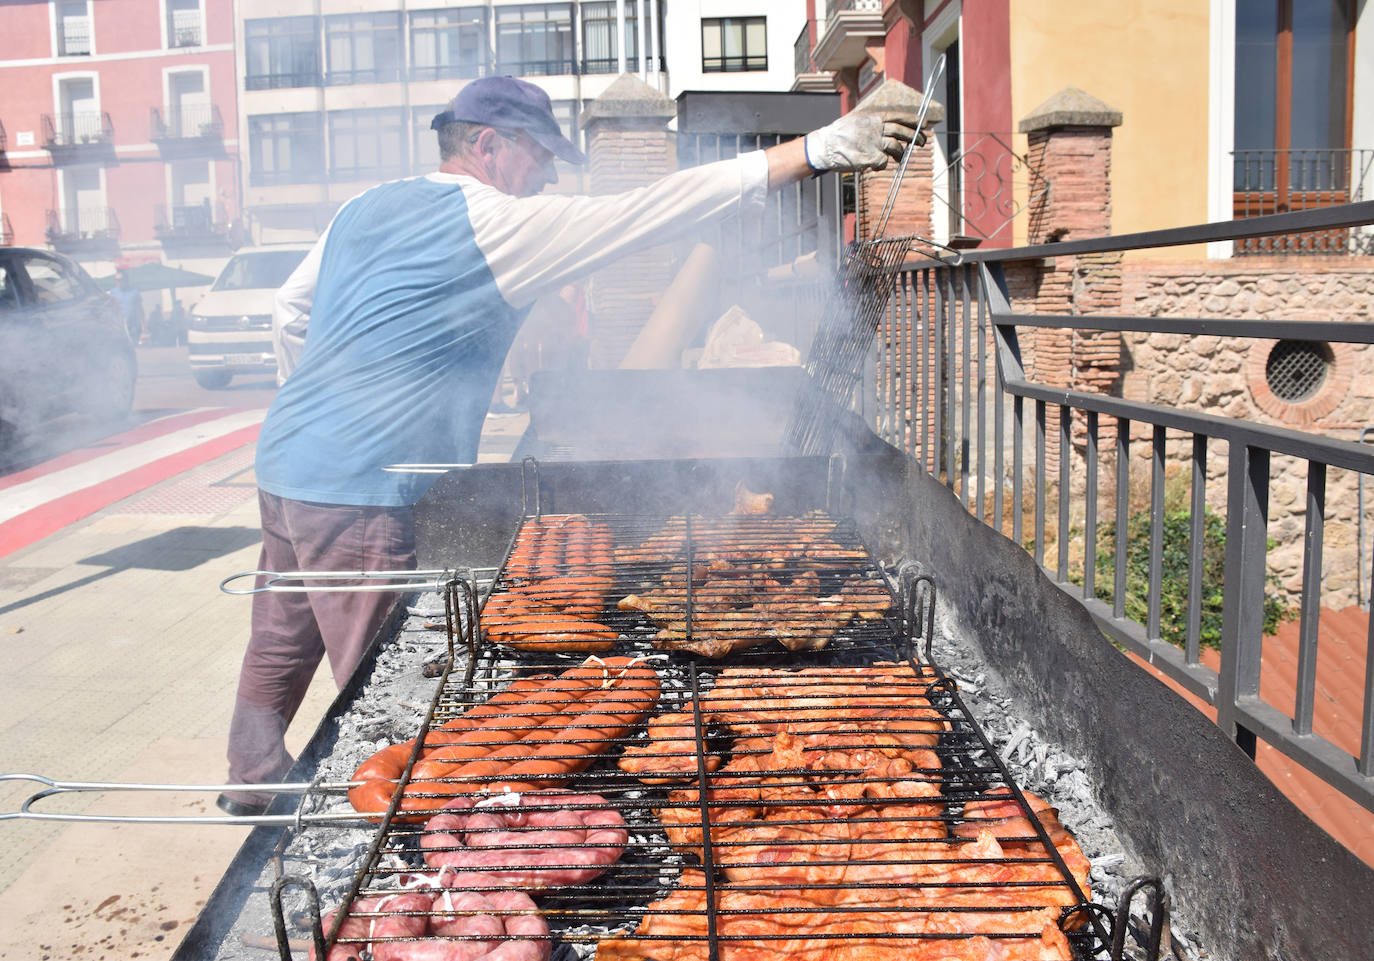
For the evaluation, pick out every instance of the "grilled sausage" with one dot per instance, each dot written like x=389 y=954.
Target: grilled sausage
x=544 y=840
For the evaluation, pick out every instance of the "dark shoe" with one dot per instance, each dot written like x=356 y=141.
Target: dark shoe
x=240 y=809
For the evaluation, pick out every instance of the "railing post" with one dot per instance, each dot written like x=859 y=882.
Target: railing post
x=1242 y=609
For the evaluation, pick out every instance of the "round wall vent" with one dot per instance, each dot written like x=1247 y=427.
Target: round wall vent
x=1296 y=369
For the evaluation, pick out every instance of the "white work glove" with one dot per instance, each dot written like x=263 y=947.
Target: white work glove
x=861 y=140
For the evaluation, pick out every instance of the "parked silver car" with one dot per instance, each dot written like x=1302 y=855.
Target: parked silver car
x=63 y=346
x=231 y=326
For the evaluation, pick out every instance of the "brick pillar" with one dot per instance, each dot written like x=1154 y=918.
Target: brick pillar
x=1070 y=145
x=911 y=214
x=628 y=146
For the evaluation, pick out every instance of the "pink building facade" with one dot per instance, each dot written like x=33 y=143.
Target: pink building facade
x=119 y=126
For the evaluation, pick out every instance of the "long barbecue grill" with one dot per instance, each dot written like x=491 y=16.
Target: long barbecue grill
x=1173 y=788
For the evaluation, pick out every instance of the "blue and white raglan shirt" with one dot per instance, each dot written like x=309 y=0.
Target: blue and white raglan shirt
x=412 y=298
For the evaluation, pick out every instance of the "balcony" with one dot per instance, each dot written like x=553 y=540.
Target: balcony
x=183 y=29
x=184 y=226
x=74 y=37
x=83 y=230
x=6 y=231
x=3 y=142
x=81 y=136
x=1282 y=181
x=189 y=130
x=850 y=26
x=806 y=78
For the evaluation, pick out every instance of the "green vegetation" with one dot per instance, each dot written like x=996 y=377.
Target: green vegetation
x=1174 y=575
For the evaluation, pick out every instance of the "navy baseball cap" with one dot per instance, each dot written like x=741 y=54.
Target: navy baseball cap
x=510 y=104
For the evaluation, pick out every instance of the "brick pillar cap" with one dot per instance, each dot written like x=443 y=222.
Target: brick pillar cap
x=629 y=98
x=1070 y=107
x=894 y=93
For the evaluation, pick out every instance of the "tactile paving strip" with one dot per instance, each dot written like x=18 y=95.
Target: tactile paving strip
x=212 y=488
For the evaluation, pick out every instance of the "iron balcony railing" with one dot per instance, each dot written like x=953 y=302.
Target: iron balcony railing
x=74 y=37
x=801 y=50
x=190 y=221
x=4 y=143
x=73 y=225
x=1280 y=181
x=77 y=127
x=187 y=122
x=833 y=7
x=183 y=28
x=949 y=382
x=6 y=231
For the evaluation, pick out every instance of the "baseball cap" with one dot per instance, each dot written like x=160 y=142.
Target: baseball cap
x=510 y=104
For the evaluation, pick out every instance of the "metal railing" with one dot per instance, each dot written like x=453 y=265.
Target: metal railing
x=190 y=221
x=950 y=384
x=187 y=122
x=4 y=143
x=76 y=128
x=801 y=50
x=986 y=184
x=74 y=37
x=73 y=225
x=6 y=230
x=183 y=28
x=1280 y=181
x=833 y=7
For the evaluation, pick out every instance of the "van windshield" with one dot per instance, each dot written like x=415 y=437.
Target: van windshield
x=258 y=270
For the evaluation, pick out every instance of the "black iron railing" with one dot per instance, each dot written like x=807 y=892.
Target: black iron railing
x=4 y=143
x=6 y=230
x=74 y=225
x=74 y=37
x=833 y=7
x=76 y=128
x=276 y=81
x=801 y=50
x=190 y=221
x=1280 y=181
x=187 y=122
x=1058 y=466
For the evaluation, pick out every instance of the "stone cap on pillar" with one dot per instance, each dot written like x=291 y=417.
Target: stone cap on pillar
x=629 y=99
x=894 y=93
x=1070 y=107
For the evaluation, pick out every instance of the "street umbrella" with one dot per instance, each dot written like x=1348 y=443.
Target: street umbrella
x=158 y=276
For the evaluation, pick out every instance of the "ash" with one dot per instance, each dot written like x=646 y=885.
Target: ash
x=1065 y=781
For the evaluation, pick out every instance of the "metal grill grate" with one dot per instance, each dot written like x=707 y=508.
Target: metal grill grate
x=1296 y=369
x=851 y=803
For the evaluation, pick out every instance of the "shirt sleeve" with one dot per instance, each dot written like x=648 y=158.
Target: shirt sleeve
x=536 y=244
x=291 y=310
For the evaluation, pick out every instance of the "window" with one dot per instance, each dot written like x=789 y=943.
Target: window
x=73 y=28
x=366 y=144
x=449 y=43
x=9 y=289
x=600 y=51
x=50 y=281
x=732 y=45
x=281 y=52
x=183 y=23
x=534 y=39
x=285 y=148
x=363 y=47
x=1292 y=113
x=424 y=143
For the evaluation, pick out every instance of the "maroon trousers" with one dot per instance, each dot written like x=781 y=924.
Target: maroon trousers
x=292 y=631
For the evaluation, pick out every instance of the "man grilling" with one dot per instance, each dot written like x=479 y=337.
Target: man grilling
x=411 y=299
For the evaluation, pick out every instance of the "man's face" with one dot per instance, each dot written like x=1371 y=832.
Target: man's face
x=524 y=167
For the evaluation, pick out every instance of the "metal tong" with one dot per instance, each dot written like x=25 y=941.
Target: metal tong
x=891 y=202
x=54 y=788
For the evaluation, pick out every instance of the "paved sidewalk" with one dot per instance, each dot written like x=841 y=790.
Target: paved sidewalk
x=122 y=660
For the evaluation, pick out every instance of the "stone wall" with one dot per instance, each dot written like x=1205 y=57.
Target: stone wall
x=1226 y=376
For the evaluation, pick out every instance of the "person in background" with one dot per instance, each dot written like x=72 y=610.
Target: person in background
x=131 y=304
x=402 y=315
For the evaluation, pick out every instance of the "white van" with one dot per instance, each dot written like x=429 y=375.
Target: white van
x=231 y=326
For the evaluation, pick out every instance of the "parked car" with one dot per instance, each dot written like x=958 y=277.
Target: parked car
x=231 y=325
x=63 y=346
